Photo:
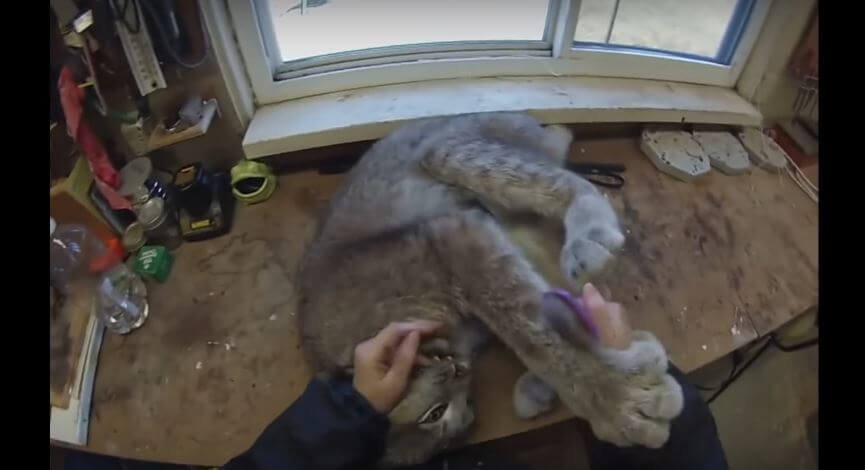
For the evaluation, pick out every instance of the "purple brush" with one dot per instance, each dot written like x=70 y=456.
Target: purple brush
x=579 y=308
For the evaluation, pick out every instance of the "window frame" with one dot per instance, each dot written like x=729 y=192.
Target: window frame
x=556 y=54
x=723 y=70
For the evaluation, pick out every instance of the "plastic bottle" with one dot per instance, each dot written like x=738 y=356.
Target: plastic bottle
x=82 y=264
x=73 y=249
x=122 y=303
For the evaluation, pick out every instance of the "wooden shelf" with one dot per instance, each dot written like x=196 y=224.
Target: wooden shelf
x=161 y=138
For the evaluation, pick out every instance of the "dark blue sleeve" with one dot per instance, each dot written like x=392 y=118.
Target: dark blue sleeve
x=693 y=442
x=331 y=426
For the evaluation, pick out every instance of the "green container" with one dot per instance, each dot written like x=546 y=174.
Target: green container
x=154 y=262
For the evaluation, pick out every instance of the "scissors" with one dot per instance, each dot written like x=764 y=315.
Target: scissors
x=602 y=174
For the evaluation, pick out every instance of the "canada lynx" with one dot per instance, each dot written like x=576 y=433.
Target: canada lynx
x=415 y=232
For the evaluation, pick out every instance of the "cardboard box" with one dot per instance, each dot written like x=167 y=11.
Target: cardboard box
x=70 y=202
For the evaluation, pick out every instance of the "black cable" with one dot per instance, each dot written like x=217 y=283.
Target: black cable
x=795 y=347
x=735 y=374
x=736 y=357
x=716 y=387
x=739 y=372
x=161 y=33
x=120 y=14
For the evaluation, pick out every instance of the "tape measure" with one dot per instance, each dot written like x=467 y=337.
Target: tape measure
x=252 y=182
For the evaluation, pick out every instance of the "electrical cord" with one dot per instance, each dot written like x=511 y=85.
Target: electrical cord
x=736 y=356
x=795 y=347
x=736 y=372
x=162 y=34
x=739 y=372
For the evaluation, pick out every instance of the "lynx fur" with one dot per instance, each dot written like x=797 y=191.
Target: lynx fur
x=416 y=231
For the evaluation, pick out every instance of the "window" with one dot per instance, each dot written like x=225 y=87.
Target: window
x=695 y=28
x=297 y=48
x=322 y=27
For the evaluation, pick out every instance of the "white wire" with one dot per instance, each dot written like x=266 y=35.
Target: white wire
x=798 y=176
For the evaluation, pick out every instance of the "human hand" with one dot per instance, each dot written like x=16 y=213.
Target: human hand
x=383 y=363
x=614 y=331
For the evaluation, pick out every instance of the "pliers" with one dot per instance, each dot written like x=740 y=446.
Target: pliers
x=602 y=174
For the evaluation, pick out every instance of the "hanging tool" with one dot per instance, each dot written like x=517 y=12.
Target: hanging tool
x=602 y=174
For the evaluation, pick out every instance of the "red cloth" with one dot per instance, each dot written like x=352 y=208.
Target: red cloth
x=104 y=174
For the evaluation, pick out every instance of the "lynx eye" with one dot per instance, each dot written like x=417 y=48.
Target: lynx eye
x=433 y=414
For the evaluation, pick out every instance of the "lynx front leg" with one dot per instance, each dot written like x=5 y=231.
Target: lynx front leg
x=626 y=395
x=553 y=142
x=505 y=176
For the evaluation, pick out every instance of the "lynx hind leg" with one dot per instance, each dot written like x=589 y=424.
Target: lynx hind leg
x=506 y=178
x=633 y=399
x=648 y=397
x=549 y=144
x=626 y=395
x=631 y=402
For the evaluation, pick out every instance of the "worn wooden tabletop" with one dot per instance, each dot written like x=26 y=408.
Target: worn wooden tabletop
x=708 y=266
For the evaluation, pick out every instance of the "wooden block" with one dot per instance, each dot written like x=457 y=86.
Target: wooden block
x=70 y=202
x=725 y=152
x=764 y=152
x=675 y=153
x=71 y=424
x=813 y=174
x=69 y=323
x=161 y=138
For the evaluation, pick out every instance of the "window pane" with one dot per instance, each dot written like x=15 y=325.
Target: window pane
x=685 y=26
x=329 y=26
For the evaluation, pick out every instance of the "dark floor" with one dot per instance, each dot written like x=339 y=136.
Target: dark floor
x=768 y=418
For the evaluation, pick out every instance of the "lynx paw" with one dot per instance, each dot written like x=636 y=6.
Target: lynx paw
x=532 y=396
x=583 y=256
x=635 y=402
x=644 y=415
x=592 y=235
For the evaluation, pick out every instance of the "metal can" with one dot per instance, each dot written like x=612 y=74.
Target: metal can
x=160 y=223
x=133 y=237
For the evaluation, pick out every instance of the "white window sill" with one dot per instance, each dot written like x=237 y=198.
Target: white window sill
x=371 y=113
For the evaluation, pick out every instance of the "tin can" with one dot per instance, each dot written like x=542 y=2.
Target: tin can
x=133 y=237
x=160 y=223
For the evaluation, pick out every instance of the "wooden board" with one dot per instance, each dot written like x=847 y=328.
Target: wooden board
x=709 y=263
x=70 y=201
x=70 y=425
x=68 y=328
x=707 y=266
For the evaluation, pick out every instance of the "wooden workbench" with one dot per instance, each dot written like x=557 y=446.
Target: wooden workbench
x=708 y=266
